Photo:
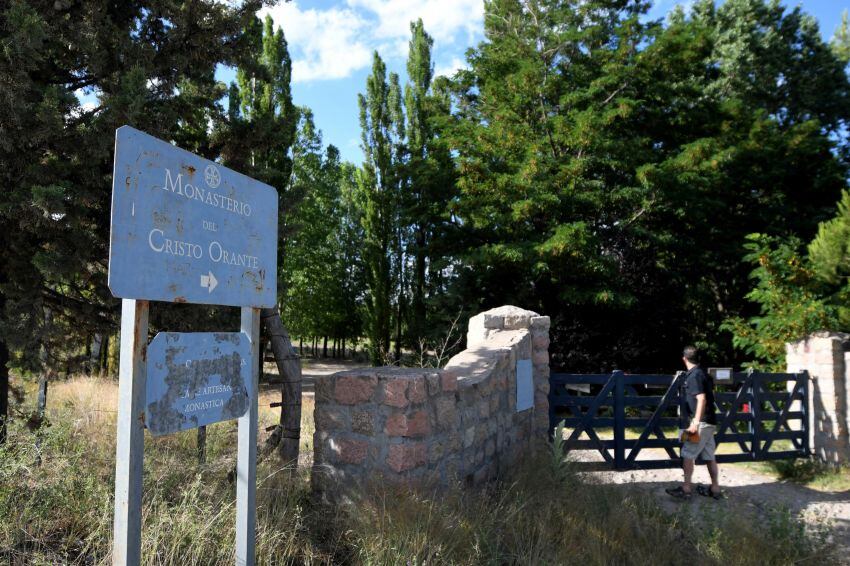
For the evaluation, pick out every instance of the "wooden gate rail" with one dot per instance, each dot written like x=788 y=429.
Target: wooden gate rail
x=749 y=414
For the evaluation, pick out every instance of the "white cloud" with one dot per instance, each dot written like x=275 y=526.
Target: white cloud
x=450 y=68
x=443 y=19
x=334 y=42
x=325 y=44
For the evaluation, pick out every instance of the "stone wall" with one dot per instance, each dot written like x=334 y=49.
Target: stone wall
x=460 y=423
x=824 y=356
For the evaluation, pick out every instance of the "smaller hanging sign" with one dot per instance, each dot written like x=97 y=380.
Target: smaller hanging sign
x=196 y=379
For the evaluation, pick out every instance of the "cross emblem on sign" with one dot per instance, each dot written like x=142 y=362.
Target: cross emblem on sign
x=211 y=176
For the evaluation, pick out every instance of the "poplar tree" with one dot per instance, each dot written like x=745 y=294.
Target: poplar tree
x=378 y=183
x=260 y=125
x=428 y=186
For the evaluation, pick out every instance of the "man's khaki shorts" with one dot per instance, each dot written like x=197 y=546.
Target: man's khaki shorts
x=704 y=448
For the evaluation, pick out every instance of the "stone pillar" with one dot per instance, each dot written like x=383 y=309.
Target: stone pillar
x=540 y=358
x=485 y=327
x=823 y=355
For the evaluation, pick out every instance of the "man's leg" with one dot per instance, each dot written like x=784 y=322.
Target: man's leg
x=714 y=472
x=688 y=466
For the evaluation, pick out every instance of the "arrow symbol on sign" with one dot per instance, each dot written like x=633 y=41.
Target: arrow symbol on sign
x=209 y=281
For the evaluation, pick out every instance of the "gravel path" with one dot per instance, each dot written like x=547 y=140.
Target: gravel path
x=310 y=370
x=745 y=489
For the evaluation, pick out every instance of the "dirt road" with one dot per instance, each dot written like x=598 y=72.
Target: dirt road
x=745 y=490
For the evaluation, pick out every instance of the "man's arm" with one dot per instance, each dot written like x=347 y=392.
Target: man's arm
x=700 y=397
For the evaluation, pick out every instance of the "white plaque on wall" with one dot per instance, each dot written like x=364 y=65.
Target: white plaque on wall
x=524 y=386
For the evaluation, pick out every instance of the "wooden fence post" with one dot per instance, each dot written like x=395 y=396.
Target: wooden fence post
x=755 y=409
x=619 y=421
x=202 y=445
x=807 y=414
x=41 y=407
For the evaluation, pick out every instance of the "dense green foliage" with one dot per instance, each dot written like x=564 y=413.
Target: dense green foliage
x=791 y=300
x=589 y=163
x=611 y=172
x=323 y=276
x=797 y=292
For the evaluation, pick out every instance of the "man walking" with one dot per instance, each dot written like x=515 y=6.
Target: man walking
x=697 y=418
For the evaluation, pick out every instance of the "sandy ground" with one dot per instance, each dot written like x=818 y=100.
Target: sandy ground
x=310 y=369
x=744 y=490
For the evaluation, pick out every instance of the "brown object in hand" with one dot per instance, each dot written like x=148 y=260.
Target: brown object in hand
x=689 y=436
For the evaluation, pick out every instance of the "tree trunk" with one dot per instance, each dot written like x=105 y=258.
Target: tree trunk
x=94 y=353
x=398 y=328
x=289 y=368
x=87 y=366
x=325 y=348
x=104 y=355
x=4 y=389
x=418 y=322
x=202 y=445
x=262 y=356
x=343 y=348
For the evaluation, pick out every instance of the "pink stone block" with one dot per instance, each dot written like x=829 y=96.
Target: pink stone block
x=540 y=357
x=446 y=413
x=541 y=400
x=404 y=457
x=417 y=392
x=354 y=389
x=351 y=451
x=395 y=393
x=418 y=425
x=396 y=425
x=448 y=381
x=541 y=341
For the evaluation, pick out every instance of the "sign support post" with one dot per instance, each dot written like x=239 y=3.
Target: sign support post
x=185 y=229
x=246 y=459
x=129 y=453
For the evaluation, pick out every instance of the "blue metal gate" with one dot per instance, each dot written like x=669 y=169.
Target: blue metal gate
x=754 y=410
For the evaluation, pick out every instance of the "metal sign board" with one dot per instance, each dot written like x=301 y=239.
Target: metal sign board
x=720 y=374
x=196 y=379
x=185 y=229
x=524 y=386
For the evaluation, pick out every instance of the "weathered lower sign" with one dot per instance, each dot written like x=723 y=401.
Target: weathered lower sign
x=186 y=229
x=196 y=379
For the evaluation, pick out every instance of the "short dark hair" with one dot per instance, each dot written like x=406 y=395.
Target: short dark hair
x=691 y=354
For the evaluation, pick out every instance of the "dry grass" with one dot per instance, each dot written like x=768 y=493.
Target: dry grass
x=61 y=511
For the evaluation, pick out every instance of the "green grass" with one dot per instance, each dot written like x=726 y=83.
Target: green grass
x=60 y=512
x=812 y=474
